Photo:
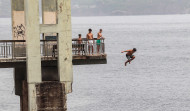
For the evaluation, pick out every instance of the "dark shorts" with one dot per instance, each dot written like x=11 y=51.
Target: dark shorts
x=129 y=57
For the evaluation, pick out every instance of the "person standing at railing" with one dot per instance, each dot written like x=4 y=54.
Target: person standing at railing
x=98 y=42
x=79 y=40
x=90 y=40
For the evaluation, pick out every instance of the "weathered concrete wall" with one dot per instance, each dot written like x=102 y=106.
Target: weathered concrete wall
x=18 y=21
x=49 y=5
x=18 y=5
x=49 y=11
x=50 y=96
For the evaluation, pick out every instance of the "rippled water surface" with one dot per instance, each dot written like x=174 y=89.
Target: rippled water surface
x=157 y=80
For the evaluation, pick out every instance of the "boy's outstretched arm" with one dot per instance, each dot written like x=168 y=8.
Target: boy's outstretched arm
x=125 y=51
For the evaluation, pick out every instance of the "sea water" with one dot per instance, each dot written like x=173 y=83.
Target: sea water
x=157 y=80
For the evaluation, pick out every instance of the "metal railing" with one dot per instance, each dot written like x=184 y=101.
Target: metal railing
x=88 y=47
x=14 y=49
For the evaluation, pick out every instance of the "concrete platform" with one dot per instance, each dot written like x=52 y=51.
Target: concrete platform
x=52 y=61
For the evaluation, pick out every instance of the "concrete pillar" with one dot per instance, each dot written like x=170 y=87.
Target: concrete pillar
x=33 y=50
x=65 y=68
x=32 y=102
x=33 y=41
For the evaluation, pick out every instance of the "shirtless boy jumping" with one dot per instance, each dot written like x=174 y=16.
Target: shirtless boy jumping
x=130 y=55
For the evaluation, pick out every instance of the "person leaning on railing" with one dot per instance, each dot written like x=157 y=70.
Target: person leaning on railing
x=79 y=40
x=98 y=42
x=90 y=39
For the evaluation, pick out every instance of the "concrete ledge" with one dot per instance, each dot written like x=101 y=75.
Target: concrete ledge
x=77 y=60
x=89 y=61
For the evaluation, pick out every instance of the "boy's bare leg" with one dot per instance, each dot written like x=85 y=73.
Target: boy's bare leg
x=132 y=59
x=126 y=62
x=92 y=50
x=98 y=48
x=79 y=52
x=89 y=49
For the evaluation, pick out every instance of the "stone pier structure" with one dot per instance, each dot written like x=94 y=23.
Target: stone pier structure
x=43 y=88
x=42 y=53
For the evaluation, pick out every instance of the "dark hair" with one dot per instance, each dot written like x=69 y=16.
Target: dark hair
x=100 y=29
x=89 y=29
x=134 y=49
x=79 y=35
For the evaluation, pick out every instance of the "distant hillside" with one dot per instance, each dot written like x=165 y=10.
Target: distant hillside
x=129 y=7
x=117 y=7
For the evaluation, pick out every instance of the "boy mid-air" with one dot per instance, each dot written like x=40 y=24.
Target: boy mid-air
x=130 y=55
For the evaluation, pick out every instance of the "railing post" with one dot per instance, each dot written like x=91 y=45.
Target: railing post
x=13 y=50
x=93 y=47
x=86 y=50
x=75 y=47
x=103 y=47
x=6 y=51
x=1 y=51
x=44 y=46
x=47 y=49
